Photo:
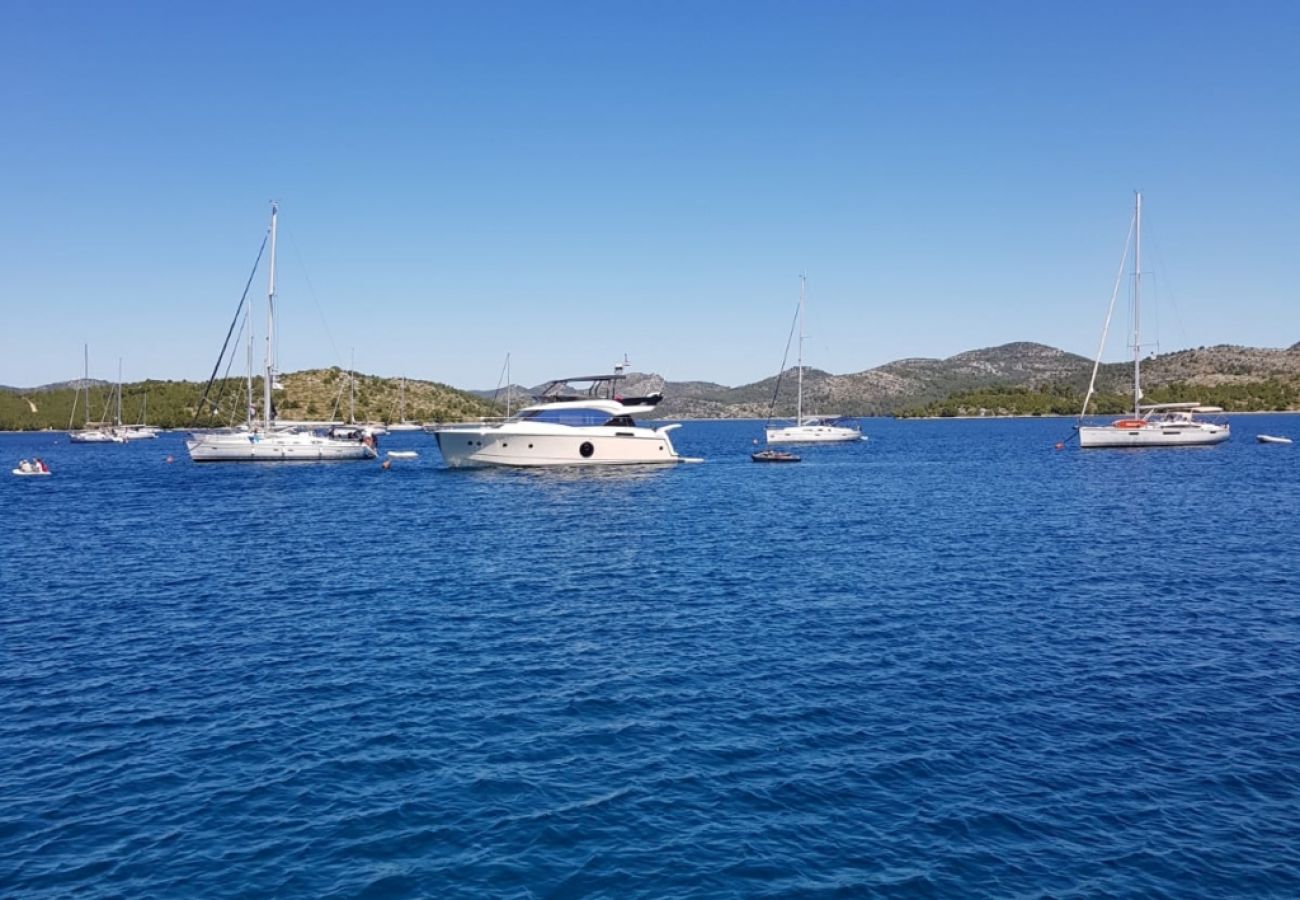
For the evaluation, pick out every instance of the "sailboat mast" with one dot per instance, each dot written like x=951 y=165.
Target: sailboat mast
x=352 y=389
x=798 y=417
x=270 y=329
x=1137 y=309
x=85 y=349
x=507 y=385
x=118 y=416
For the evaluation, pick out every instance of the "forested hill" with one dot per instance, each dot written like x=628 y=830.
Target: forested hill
x=1018 y=378
x=316 y=394
x=1238 y=378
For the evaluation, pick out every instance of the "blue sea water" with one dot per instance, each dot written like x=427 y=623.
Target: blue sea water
x=950 y=661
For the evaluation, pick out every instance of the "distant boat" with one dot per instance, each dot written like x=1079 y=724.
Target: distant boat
x=266 y=441
x=402 y=424
x=140 y=432
x=90 y=432
x=403 y=454
x=809 y=429
x=1272 y=439
x=773 y=456
x=1155 y=425
x=26 y=469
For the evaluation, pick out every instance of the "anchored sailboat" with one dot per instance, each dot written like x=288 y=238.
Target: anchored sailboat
x=402 y=424
x=264 y=441
x=1151 y=425
x=91 y=432
x=810 y=429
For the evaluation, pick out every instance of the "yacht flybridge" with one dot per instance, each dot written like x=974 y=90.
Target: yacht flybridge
x=587 y=425
x=1151 y=425
x=267 y=440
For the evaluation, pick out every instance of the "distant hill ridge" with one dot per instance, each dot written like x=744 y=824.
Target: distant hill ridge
x=1238 y=377
x=905 y=384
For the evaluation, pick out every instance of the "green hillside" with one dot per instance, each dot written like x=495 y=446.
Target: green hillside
x=1065 y=400
x=320 y=394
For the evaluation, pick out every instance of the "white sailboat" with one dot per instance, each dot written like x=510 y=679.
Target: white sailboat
x=90 y=432
x=263 y=441
x=402 y=424
x=1149 y=425
x=811 y=429
x=141 y=431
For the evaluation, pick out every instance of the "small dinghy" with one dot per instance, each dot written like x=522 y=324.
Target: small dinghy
x=773 y=456
x=31 y=469
x=1271 y=439
x=403 y=454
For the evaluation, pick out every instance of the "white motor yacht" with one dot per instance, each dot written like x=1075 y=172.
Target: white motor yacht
x=591 y=427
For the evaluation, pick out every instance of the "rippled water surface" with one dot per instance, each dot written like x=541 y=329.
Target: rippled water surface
x=950 y=661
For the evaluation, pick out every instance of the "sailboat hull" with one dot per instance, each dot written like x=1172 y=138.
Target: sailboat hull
x=812 y=434
x=1153 y=435
x=95 y=436
x=293 y=447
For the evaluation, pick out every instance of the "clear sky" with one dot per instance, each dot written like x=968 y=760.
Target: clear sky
x=569 y=182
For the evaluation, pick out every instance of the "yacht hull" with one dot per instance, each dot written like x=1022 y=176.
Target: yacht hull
x=812 y=434
x=480 y=447
x=245 y=447
x=1201 y=434
x=94 y=436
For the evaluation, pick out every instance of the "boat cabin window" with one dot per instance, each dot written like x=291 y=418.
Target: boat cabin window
x=578 y=417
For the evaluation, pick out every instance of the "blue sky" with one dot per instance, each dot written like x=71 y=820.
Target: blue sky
x=569 y=182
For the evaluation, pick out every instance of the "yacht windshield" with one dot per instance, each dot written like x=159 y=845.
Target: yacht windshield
x=574 y=417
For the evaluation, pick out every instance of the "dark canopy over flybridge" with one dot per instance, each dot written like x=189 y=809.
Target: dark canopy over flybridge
x=598 y=387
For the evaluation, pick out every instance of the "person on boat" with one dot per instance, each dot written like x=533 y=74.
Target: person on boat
x=41 y=466
x=24 y=466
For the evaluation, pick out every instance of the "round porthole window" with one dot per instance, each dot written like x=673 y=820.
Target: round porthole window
x=586 y=449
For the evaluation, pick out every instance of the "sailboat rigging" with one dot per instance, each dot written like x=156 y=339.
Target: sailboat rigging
x=92 y=432
x=1149 y=425
x=809 y=429
x=265 y=440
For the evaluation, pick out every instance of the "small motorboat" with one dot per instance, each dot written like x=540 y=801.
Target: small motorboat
x=403 y=454
x=1272 y=439
x=773 y=456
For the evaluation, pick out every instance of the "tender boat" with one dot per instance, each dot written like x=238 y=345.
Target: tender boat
x=27 y=469
x=773 y=456
x=1155 y=425
x=591 y=426
x=403 y=454
x=1272 y=439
